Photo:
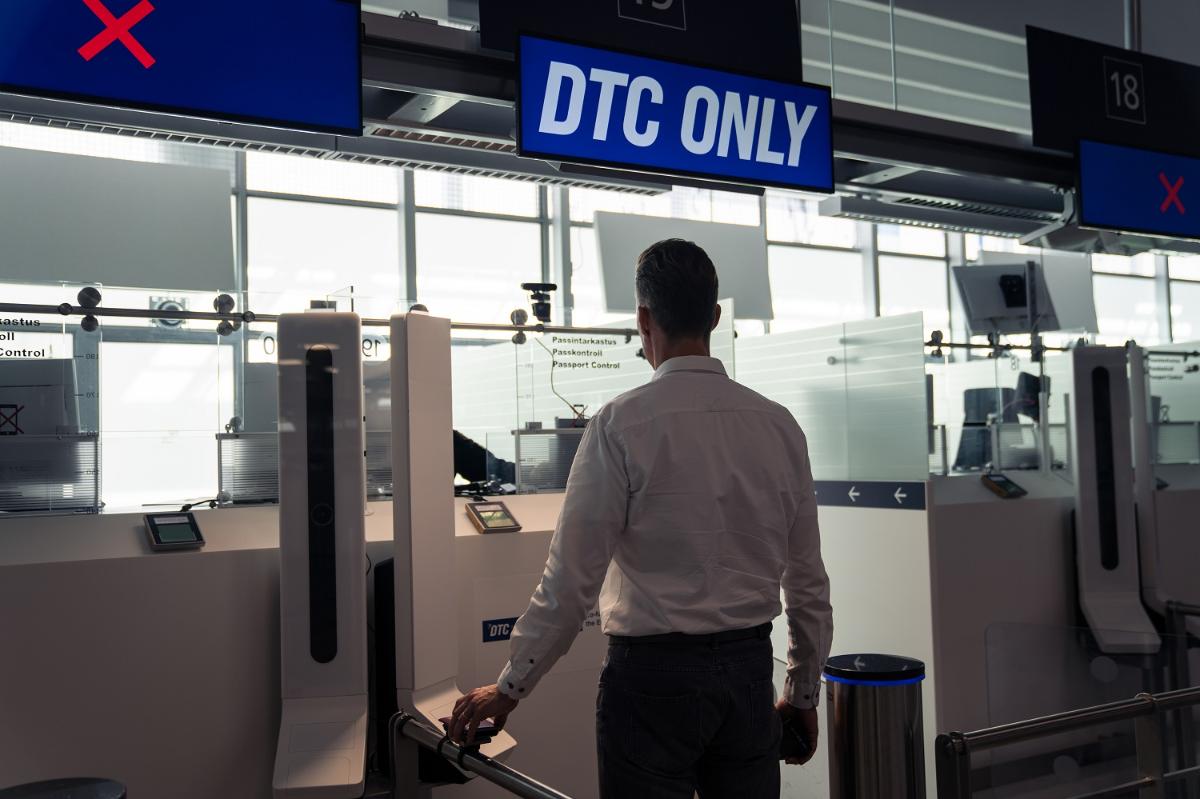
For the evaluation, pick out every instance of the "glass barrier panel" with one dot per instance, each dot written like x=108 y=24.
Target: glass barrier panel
x=857 y=390
x=802 y=370
x=986 y=413
x=1039 y=670
x=887 y=417
x=49 y=405
x=487 y=403
x=525 y=403
x=1175 y=403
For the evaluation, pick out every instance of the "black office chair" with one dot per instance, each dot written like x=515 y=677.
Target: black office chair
x=73 y=788
x=975 y=445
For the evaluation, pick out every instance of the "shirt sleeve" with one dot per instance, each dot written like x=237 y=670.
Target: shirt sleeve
x=806 y=595
x=594 y=514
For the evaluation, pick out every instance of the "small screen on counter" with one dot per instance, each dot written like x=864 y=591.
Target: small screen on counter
x=495 y=516
x=173 y=531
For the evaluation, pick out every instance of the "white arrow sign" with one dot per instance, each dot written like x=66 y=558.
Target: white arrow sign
x=900 y=495
x=859 y=663
x=854 y=494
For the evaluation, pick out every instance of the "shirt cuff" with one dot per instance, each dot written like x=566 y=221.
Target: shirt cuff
x=511 y=685
x=802 y=694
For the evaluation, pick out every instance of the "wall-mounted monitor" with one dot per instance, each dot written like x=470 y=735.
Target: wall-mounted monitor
x=739 y=252
x=1138 y=191
x=996 y=294
x=284 y=63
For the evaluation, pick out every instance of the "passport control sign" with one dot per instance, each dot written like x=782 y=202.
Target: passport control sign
x=592 y=106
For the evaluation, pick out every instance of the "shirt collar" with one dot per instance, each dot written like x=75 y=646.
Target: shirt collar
x=690 y=363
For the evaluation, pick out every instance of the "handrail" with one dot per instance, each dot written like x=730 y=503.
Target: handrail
x=954 y=750
x=470 y=759
x=249 y=317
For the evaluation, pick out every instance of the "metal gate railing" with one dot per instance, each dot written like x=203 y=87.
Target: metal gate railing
x=954 y=750
x=470 y=759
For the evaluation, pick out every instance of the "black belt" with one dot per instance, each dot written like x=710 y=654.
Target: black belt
x=762 y=631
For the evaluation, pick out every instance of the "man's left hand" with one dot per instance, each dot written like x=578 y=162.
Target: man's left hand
x=482 y=703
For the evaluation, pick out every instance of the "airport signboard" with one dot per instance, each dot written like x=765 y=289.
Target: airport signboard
x=1079 y=89
x=284 y=63
x=1138 y=191
x=596 y=106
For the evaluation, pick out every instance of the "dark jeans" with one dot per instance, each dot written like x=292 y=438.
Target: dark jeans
x=688 y=715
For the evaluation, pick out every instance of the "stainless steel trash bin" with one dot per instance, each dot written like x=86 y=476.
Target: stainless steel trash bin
x=876 y=748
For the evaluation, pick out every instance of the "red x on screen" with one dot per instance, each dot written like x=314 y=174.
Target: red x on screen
x=118 y=30
x=1172 y=197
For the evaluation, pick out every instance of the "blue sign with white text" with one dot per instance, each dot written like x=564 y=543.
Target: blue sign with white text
x=587 y=105
x=1139 y=191
x=288 y=63
x=498 y=629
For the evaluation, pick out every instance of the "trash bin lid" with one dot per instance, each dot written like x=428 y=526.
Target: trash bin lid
x=874 y=670
x=73 y=788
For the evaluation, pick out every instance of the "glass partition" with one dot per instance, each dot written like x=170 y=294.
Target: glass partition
x=1175 y=402
x=49 y=407
x=527 y=403
x=857 y=390
x=247 y=437
x=1039 y=670
x=986 y=413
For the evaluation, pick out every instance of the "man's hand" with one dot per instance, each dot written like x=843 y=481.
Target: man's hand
x=805 y=723
x=482 y=703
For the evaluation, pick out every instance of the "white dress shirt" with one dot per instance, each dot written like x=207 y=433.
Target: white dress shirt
x=691 y=500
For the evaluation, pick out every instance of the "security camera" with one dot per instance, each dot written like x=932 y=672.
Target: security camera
x=539 y=298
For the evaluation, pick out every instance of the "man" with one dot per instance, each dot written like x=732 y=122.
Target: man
x=694 y=495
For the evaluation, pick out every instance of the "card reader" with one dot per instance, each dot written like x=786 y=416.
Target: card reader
x=1002 y=487
x=492 y=517
x=171 y=531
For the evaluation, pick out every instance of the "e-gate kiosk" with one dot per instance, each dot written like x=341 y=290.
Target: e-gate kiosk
x=322 y=556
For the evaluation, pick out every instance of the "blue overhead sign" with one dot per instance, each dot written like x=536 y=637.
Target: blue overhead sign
x=1139 y=191
x=286 y=63
x=592 y=106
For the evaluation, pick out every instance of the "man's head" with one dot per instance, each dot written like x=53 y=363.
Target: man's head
x=677 y=300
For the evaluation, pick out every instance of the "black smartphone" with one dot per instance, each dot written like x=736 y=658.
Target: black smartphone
x=793 y=745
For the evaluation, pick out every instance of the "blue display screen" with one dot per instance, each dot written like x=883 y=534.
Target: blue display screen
x=288 y=63
x=1139 y=190
x=596 y=106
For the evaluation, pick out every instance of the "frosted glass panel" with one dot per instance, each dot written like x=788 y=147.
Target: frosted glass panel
x=804 y=372
x=857 y=390
x=886 y=404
